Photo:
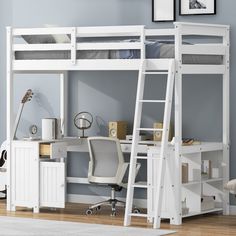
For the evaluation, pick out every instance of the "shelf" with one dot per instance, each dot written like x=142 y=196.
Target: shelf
x=212 y=180
x=191 y=183
x=212 y=210
x=202 y=212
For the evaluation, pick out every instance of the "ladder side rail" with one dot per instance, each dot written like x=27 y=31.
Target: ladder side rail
x=9 y=118
x=133 y=161
x=137 y=122
x=226 y=118
x=164 y=145
x=176 y=212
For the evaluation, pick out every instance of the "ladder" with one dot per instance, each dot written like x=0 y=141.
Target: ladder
x=158 y=188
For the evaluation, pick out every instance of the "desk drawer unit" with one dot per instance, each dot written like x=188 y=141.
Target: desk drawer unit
x=53 y=150
x=37 y=182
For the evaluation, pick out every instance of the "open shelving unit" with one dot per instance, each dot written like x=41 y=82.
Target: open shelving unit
x=198 y=185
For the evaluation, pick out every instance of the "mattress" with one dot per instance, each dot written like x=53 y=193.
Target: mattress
x=154 y=50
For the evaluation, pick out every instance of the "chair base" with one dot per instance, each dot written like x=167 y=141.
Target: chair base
x=113 y=202
x=110 y=202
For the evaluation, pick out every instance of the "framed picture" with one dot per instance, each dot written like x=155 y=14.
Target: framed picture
x=163 y=10
x=197 y=7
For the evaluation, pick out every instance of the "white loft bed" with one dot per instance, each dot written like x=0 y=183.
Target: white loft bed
x=61 y=66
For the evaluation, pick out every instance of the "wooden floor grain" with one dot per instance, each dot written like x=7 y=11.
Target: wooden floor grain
x=211 y=224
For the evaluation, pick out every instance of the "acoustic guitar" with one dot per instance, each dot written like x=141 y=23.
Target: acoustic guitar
x=3 y=149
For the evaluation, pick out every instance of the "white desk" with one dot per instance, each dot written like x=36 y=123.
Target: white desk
x=41 y=182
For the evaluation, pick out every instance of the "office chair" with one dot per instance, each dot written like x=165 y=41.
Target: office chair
x=107 y=167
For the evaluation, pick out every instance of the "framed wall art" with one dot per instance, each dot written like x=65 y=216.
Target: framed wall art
x=163 y=10
x=197 y=7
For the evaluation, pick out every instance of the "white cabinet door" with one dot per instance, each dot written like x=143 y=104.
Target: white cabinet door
x=24 y=174
x=52 y=184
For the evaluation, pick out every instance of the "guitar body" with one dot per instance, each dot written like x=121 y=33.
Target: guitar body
x=3 y=169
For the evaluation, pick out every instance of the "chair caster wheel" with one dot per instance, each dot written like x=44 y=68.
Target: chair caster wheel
x=113 y=213
x=137 y=211
x=89 y=212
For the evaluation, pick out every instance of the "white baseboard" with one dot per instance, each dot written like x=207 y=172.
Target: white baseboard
x=142 y=203
x=89 y=199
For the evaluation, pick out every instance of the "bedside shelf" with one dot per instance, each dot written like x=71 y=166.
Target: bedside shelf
x=191 y=183
x=212 y=180
x=202 y=212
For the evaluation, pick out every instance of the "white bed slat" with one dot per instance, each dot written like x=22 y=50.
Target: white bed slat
x=201 y=24
x=41 y=31
x=41 y=47
x=109 y=31
x=108 y=46
x=88 y=64
x=73 y=45
x=64 y=65
x=160 y=32
x=203 y=31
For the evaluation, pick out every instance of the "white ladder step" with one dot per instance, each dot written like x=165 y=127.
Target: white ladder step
x=138 y=215
x=140 y=185
x=149 y=129
x=141 y=157
x=156 y=73
x=154 y=101
x=155 y=186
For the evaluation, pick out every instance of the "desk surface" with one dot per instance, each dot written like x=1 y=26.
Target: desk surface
x=76 y=144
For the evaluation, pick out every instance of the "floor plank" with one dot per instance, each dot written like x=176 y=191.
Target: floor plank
x=206 y=225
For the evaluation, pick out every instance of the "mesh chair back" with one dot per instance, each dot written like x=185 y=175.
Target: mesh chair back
x=106 y=158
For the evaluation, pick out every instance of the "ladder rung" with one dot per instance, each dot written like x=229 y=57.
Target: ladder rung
x=156 y=73
x=149 y=129
x=154 y=101
x=141 y=157
x=138 y=215
x=140 y=185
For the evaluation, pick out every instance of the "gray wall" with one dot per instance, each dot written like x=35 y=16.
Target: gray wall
x=5 y=19
x=109 y=95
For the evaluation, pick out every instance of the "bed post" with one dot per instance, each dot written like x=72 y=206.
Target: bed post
x=176 y=217
x=63 y=102
x=9 y=118
x=226 y=119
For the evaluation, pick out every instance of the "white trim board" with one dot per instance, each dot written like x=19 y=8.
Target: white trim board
x=89 y=199
x=142 y=203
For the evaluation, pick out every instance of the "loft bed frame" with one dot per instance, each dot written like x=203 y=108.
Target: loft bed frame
x=179 y=32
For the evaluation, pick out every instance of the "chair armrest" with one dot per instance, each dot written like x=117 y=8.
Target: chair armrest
x=122 y=172
x=124 y=168
x=138 y=165
x=89 y=169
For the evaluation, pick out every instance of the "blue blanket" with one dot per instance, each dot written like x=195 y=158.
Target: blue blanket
x=153 y=49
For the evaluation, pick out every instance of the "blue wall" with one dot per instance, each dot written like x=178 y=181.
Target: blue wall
x=111 y=95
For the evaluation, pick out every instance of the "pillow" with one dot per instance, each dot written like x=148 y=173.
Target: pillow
x=37 y=39
x=231 y=186
x=59 y=38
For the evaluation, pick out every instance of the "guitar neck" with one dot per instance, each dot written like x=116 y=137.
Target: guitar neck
x=17 y=120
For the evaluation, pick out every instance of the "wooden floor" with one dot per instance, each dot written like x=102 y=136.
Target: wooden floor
x=211 y=224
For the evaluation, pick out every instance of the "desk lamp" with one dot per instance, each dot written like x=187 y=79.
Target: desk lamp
x=82 y=121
